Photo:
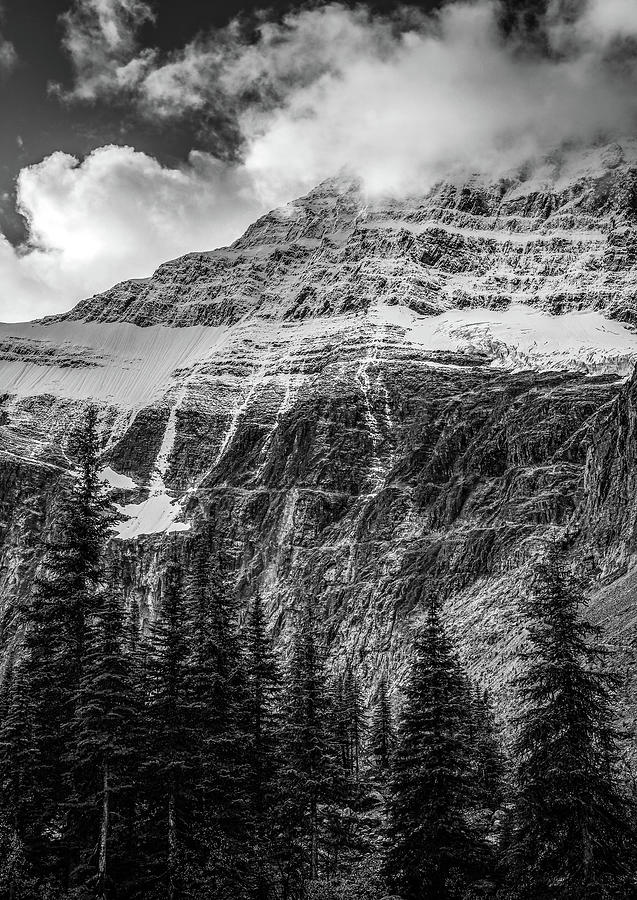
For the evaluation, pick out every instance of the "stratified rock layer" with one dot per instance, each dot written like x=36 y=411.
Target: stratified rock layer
x=561 y=238
x=365 y=401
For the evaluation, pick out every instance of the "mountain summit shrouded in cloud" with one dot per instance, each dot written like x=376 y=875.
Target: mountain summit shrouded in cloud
x=401 y=99
x=393 y=97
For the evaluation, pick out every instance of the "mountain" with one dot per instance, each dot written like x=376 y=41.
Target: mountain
x=366 y=399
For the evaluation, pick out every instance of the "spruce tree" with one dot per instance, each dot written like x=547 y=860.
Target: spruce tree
x=56 y=620
x=338 y=718
x=14 y=745
x=382 y=735
x=434 y=848
x=263 y=758
x=38 y=746
x=354 y=722
x=170 y=746
x=104 y=749
x=131 y=792
x=74 y=567
x=571 y=833
x=17 y=870
x=311 y=778
x=488 y=756
x=217 y=700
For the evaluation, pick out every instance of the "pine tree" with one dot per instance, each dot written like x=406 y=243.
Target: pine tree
x=488 y=756
x=103 y=754
x=56 y=622
x=354 y=721
x=170 y=745
x=382 y=735
x=14 y=748
x=263 y=753
x=217 y=700
x=36 y=743
x=572 y=830
x=17 y=874
x=131 y=792
x=339 y=725
x=74 y=569
x=311 y=779
x=434 y=848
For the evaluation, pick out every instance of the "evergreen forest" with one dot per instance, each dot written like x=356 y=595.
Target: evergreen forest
x=189 y=754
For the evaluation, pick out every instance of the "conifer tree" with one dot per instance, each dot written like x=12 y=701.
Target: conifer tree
x=17 y=874
x=56 y=621
x=74 y=568
x=488 y=756
x=382 y=735
x=102 y=757
x=354 y=817
x=434 y=848
x=263 y=753
x=36 y=740
x=571 y=833
x=170 y=744
x=311 y=779
x=14 y=746
x=216 y=689
x=354 y=721
x=339 y=725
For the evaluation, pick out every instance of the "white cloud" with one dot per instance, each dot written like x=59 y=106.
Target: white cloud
x=116 y=215
x=402 y=109
x=604 y=21
x=397 y=99
x=224 y=69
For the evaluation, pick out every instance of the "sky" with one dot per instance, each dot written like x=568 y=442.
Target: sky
x=133 y=131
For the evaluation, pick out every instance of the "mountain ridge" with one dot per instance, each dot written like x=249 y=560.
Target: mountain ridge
x=365 y=402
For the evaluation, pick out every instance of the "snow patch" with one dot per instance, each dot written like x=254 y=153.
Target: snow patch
x=521 y=337
x=156 y=514
x=122 y=364
x=115 y=480
x=497 y=235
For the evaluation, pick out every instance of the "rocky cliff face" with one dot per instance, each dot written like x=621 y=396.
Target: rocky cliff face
x=365 y=399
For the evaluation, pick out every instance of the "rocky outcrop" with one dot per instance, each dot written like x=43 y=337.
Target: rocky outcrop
x=365 y=401
x=560 y=237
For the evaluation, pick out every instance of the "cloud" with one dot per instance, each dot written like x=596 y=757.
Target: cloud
x=450 y=94
x=226 y=68
x=604 y=21
x=116 y=215
x=100 y=38
x=400 y=100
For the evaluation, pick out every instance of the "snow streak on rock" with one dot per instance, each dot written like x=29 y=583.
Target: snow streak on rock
x=255 y=382
x=157 y=513
x=363 y=375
